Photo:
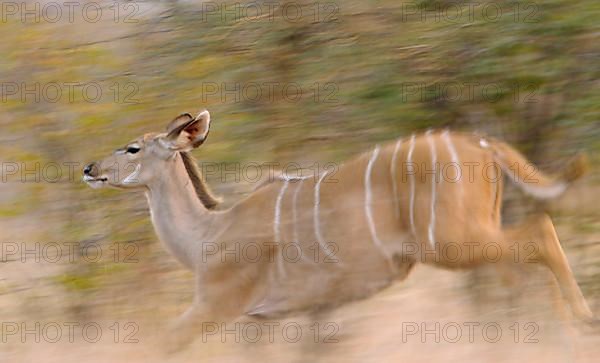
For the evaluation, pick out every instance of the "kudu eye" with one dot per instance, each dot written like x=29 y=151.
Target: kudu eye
x=132 y=149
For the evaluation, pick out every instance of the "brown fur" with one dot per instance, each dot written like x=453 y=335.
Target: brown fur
x=202 y=190
x=578 y=167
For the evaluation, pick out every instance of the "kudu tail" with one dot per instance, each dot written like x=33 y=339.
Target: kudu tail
x=529 y=178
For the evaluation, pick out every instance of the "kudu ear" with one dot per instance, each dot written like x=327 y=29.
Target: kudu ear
x=186 y=132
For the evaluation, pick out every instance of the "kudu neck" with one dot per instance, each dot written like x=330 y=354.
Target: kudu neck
x=180 y=219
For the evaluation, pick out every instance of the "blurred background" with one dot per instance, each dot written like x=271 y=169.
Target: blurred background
x=287 y=81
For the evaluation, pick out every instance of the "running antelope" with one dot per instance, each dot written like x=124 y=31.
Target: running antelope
x=314 y=242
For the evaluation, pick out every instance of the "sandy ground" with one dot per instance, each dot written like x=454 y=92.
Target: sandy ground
x=434 y=315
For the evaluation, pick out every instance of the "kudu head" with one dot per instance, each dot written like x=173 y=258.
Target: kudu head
x=143 y=160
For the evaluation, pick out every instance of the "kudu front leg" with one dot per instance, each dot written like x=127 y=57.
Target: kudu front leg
x=197 y=321
x=185 y=328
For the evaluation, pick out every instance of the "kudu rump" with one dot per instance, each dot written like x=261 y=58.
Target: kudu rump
x=312 y=242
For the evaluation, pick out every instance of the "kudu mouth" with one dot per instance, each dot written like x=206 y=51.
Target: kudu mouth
x=88 y=178
x=91 y=176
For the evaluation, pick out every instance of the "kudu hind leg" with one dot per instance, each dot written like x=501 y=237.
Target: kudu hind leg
x=547 y=250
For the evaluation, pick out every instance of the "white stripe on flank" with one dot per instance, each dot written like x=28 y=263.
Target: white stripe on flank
x=369 y=202
x=393 y=171
x=411 y=148
x=316 y=221
x=277 y=221
x=296 y=240
x=455 y=160
x=276 y=225
x=494 y=182
x=431 y=230
x=295 y=211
